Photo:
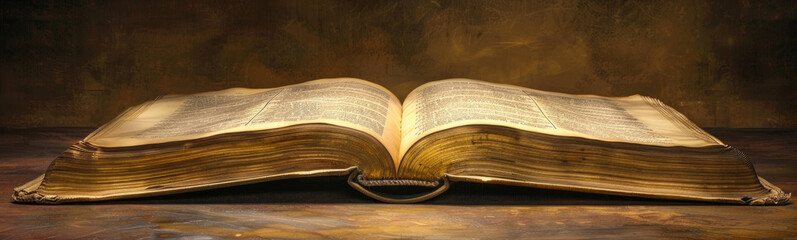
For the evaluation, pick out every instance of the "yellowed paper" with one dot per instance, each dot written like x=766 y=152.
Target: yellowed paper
x=345 y=102
x=445 y=104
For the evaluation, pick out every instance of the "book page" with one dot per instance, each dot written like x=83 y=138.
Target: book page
x=450 y=103
x=445 y=104
x=350 y=103
x=594 y=116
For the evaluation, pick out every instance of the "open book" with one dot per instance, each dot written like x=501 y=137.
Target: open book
x=445 y=131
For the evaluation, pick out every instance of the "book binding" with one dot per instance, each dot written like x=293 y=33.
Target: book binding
x=367 y=187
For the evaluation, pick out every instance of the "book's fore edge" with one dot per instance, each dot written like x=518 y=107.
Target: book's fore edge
x=742 y=157
x=28 y=192
x=357 y=182
x=775 y=196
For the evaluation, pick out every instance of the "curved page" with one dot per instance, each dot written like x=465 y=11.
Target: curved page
x=346 y=102
x=445 y=104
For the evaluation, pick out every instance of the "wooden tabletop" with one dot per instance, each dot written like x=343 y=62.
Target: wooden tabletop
x=328 y=208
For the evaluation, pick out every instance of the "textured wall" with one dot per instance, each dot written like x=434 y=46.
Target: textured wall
x=80 y=63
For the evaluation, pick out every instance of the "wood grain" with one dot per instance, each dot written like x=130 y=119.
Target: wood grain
x=328 y=208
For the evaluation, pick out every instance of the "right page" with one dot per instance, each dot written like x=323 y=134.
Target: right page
x=445 y=104
x=467 y=130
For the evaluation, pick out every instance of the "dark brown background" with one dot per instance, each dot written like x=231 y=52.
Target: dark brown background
x=80 y=63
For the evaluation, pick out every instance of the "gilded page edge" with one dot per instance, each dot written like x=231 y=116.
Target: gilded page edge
x=24 y=194
x=775 y=196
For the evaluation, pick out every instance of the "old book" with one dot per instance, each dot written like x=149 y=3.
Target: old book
x=445 y=131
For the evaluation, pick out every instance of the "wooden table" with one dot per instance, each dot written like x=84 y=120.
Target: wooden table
x=329 y=208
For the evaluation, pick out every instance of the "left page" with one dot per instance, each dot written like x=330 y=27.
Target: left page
x=346 y=102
